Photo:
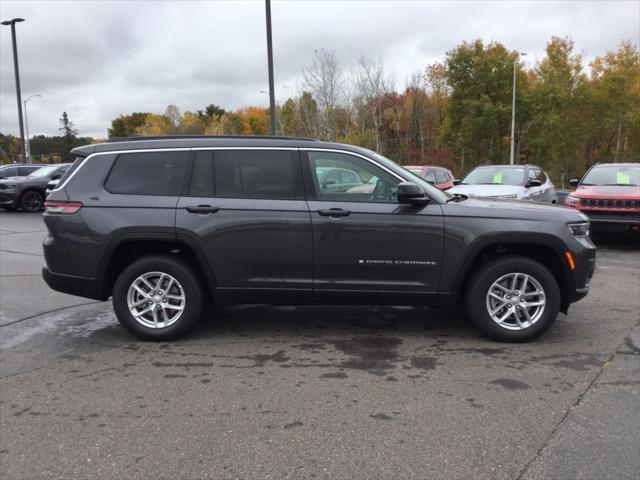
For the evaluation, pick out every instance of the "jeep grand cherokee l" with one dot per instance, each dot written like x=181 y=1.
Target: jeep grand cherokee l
x=609 y=194
x=160 y=225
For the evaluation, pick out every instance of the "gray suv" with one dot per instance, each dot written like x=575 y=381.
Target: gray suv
x=161 y=225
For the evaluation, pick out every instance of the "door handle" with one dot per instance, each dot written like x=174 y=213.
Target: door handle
x=334 y=212
x=202 y=209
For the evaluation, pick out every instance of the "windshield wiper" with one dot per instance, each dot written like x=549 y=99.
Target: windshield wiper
x=457 y=197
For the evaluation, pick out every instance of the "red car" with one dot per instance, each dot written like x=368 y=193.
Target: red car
x=439 y=177
x=609 y=194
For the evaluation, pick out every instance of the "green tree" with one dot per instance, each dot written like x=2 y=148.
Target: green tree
x=126 y=125
x=479 y=110
x=555 y=136
x=69 y=135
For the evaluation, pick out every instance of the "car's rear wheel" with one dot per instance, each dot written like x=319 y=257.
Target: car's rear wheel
x=158 y=298
x=31 y=201
x=513 y=299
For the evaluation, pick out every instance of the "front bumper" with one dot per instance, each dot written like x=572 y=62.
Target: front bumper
x=8 y=198
x=584 y=258
x=619 y=222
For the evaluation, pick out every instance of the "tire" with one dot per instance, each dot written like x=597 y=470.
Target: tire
x=31 y=201
x=515 y=327
x=163 y=320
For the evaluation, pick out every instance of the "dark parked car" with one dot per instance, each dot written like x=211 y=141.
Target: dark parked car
x=162 y=224
x=517 y=182
x=18 y=169
x=609 y=194
x=440 y=177
x=28 y=193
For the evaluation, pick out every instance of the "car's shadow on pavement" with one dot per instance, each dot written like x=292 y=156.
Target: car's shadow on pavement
x=330 y=320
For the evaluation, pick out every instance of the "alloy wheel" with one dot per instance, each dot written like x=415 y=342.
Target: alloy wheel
x=516 y=301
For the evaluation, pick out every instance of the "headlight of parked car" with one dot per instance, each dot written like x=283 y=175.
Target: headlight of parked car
x=10 y=186
x=571 y=200
x=579 y=229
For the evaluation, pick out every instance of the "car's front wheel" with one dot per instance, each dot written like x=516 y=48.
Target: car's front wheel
x=158 y=298
x=513 y=299
x=31 y=201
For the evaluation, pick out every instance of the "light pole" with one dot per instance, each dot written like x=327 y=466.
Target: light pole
x=13 y=22
x=272 y=96
x=26 y=126
x=513 y=111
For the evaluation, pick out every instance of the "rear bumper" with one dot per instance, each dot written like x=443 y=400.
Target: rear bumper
x=72 y=285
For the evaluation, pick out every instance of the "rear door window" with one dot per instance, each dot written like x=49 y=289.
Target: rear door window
x=148 y=173
x=266 y=174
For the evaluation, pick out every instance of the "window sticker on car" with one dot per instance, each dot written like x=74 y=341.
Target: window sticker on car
x=497 y=178
x=623 y=178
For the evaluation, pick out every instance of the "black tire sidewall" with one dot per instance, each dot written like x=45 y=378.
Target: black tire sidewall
x=25 y=195
x=178 y=269
x=489 y=273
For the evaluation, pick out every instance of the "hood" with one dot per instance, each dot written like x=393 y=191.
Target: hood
x=603 y=192
x=513 y=209
x=487 y=190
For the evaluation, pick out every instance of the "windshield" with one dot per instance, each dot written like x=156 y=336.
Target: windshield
x=43 y=172
x=622 y=175
x=495 y=176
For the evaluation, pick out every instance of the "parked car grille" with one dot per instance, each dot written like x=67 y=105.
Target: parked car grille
x=609 y=203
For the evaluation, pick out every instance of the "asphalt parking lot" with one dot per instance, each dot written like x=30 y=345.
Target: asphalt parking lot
x=314 y=392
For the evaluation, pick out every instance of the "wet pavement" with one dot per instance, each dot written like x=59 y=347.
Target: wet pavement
x=314 y=392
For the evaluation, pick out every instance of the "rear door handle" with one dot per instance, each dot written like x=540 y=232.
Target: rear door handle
x=334 y=212
x=202 y=209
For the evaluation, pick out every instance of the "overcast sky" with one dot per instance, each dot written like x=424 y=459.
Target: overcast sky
x=98 y=59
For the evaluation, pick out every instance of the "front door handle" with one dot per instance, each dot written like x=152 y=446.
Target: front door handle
x=334 y=212
x=202 y=209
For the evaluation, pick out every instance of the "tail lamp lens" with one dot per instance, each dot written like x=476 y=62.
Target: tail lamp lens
x=62 y=207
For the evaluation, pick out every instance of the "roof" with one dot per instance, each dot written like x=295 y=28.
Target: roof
x=200 y=141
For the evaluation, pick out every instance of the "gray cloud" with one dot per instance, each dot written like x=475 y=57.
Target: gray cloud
x=98 y=59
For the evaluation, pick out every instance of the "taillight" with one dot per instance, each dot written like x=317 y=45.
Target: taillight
x=62 y=207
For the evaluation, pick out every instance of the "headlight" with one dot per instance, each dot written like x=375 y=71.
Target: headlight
x=579 y=229
x=571 y=200
x=10 y=186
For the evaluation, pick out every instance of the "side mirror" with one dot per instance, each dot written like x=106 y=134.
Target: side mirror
x=533 y=183
x=456 y=182
x=411 y=193
x=574 y=182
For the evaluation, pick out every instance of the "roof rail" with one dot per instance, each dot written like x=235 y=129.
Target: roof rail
x=136 y=138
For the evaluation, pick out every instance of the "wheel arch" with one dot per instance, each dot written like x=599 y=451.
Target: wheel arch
x=128 y=250
x=546 y=249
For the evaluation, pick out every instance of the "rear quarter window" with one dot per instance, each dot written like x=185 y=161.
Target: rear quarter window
x=148 y=173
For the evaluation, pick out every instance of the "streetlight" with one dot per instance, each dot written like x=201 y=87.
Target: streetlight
x=513 y=111
x=272 y=96
x=13 y=22
x=26 y=125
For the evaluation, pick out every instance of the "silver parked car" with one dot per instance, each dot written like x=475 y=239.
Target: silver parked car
x=518 y=182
